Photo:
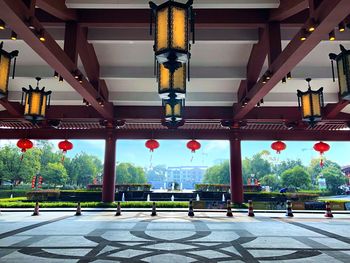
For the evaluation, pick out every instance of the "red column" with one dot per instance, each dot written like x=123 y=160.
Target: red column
x=236 y=171
x=108 y=188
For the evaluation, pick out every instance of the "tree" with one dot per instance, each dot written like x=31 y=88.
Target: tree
x=285 y=165
x=55 y=174
x=218 y=174
x=334 y=178
x=127 y=173
x=296 y=177
x=271 y=180
x=315 y=168
x=15 y=170
x=83 y=168
x=257 y=165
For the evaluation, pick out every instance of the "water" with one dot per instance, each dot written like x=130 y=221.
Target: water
x=11 y=196
x=181 y=186
x=148 y=198
x=223 y=198
x=197 y=197
x=172 y=198
x=173 y=186
x=123 y=197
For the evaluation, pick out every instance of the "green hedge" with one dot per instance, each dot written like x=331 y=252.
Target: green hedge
x=136 y=204
x=43 y=195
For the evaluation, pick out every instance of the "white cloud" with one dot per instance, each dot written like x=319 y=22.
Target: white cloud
x=217 y=145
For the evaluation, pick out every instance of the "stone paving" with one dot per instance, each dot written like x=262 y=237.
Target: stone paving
x=172 y=237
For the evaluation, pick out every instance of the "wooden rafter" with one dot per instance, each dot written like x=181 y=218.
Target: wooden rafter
x=14 y=13
x=287 y=9
x=14 y=109
x=58 y=9
x=328 y=15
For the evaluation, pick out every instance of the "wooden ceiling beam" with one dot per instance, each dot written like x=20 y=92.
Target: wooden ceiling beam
x=332 y=110
x=14 y=13
x=14 y=109
x=58 y=9
x=328 y=15
x=287 y=9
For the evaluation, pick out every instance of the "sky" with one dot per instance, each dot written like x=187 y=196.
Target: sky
x=175 y=152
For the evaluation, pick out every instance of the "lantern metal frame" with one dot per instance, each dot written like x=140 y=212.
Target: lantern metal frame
x=173 y=57
x=9 y=56
x=343 y=69
x=27 y=101
x=313 y=117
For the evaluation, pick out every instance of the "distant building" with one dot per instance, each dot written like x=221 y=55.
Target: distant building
x=346 y=169
x=188 y=176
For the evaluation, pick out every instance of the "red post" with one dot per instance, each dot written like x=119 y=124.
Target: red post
x=108 y=188
x=236 y=171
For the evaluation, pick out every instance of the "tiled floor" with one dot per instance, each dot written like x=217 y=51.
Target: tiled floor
x=172 y=237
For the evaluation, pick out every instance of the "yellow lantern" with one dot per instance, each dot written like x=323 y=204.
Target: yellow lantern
x=35 y=102
x=5 y=64
x=343 y=69
x=170 y=84
x=171 y=44
x=311 y=103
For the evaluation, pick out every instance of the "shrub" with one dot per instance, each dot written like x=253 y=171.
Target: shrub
x=15 y=193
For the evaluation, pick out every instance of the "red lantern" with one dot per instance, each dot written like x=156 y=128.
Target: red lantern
x=152 y=145
x=278 y=146
x=24 y=145
x=193 y=145
x=321 y=147
x=65 y=146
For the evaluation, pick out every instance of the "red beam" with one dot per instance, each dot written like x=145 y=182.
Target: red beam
x=13 y=108
x=329 y=14
x=274 y=41
x=332 y=110
x=295 y=135
x=71 y=41
x=14 y=13
x=58 y=9
x=287 y=9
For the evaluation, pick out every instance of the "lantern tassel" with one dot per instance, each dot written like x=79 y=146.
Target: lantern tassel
x=321 y=163
x=22 y=157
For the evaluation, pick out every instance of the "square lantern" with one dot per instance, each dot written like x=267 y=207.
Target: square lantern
x=311 y=103
x=173 y=109
x=171 y=84
x=35 y=102
x=5 y=64
x=342 y=61
x=171 y=43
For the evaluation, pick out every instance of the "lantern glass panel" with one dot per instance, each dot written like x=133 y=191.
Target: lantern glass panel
x=43 y=106
x=316 y=105
x=306 y=106
x=179 y=28
x=172 y=83
x=177 y=110
x=341 y=77
x=26 y=105
x=4 y=74
x=35 y=103
x=162 y=29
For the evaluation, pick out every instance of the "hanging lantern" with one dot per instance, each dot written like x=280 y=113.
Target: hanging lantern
x=171 y=83
x=171 y=43
x=152 y=145
x=278 y=146
x=321 y=147
x=65 y=146
x=35 y=102
x=5 y=64
x=24 y=145
x=311 y=103
x=193 y=145
x=343 y=69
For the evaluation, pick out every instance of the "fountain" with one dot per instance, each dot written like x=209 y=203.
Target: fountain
x=172 y=198
x=197 y=197
x=181 y=186
x=11 y=196
x=223 y=198
x=172 y=186
x=148 y=198
x=123 y=197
